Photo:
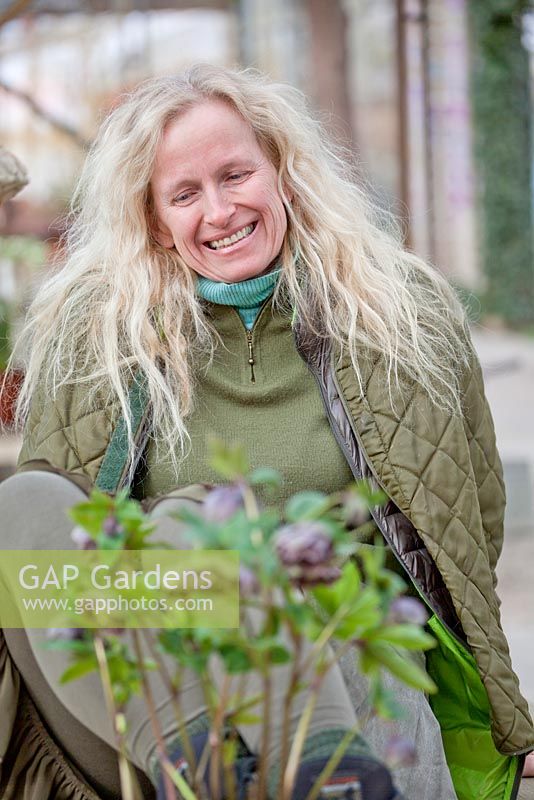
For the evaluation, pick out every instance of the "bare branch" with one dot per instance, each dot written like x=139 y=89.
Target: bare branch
x=40 y=112
x=12 y=11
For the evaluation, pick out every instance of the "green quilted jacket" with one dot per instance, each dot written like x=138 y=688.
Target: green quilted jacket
x=444 y=522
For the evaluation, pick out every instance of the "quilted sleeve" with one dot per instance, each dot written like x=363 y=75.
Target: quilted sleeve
x=42 y=424
x=68 y=434
x=485 y=458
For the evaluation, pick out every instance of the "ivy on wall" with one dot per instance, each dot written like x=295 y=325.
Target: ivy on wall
x=503 y=152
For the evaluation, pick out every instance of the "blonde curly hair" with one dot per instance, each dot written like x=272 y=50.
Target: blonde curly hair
x=119 y=303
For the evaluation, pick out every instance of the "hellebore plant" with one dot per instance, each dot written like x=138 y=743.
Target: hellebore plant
x=306 y=572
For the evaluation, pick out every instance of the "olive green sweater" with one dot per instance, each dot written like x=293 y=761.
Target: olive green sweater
x=272 y=406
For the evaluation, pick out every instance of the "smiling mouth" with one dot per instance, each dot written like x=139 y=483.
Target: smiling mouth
x=220 y=244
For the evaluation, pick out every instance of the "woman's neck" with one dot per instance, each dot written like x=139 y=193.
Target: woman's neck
x=247 y=297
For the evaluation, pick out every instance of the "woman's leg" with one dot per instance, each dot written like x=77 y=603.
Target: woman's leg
x=429 y=778
x=34 y=507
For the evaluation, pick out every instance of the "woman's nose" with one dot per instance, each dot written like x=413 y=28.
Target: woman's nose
x=218 y=208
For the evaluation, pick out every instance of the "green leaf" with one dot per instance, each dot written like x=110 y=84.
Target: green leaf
x=123 y=692
x=364 y=613
x=346 y=549
x=129 y=511
x=271 y=650
x=344 y=590
x=105 y=542
x=306 y=505
x=312 y=628
x=79 y=669
x=180 y=644
x=76 y=646
x=411 y=637
x=242 y=718
x=236 y=659
x=373 y=558
x=371 y=497
x=229 y=752
x=390 y=585
x=229 y=460
x=401 y=666
x=87 y=516
x=244 y=705
x=279 y=654
x=138 y=539
x=368 y=663
x=384 y=701
x=99 y=499
x=298 y=613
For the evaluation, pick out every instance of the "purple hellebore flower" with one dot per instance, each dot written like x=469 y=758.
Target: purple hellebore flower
x=303 y=543
x=306 y=549
x=400 y=752
x=248 y=582
x=407 y=609
x=112 y=527
x=314 y=575
x=222 y=503
x=81 y=539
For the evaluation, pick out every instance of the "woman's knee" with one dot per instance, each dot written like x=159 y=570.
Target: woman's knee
x=33 y=511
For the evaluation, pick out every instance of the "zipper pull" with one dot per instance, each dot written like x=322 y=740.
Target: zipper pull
x=251 y=356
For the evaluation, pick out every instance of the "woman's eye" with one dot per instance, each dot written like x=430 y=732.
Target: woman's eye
x=237 y=176
x=183 y=197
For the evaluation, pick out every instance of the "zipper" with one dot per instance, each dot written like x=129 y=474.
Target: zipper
x=251 y=356
x=250 y=336
x=341 y=442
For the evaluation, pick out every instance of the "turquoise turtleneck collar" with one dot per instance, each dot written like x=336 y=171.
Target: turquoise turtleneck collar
x=247 y=297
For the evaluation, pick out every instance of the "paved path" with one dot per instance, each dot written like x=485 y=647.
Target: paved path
x=508 y=365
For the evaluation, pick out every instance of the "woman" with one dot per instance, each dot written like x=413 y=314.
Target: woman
x=215 y=192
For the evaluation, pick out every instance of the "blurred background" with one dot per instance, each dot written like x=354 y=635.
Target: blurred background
x=432 y=98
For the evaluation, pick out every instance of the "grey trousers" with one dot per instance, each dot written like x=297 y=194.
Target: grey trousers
x=32 y=516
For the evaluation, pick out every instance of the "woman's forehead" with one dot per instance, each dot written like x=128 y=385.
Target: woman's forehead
x=210 y=134
x=215 y=114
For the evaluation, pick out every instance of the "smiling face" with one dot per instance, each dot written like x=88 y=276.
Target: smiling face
x=216 y=196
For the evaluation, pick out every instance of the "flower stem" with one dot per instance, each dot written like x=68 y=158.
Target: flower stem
x=288 y=704
x=125 y=772
x=327 y=632
x=204 y=756
x=215 y=736
x=298 y=741
x=265 y=732
x=156 y=727
x=332 y=762
x=252 y=511
x=175 y=700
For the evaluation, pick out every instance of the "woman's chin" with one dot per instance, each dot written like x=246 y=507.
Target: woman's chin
x=236 y=274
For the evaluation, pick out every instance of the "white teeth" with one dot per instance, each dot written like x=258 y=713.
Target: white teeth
x=228 y=240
